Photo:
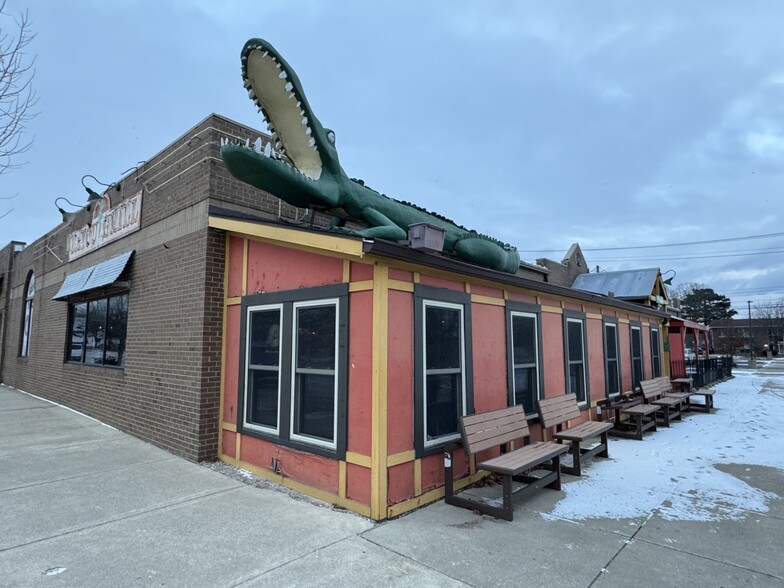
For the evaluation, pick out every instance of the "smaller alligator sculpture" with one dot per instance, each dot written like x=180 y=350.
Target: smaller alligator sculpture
x=303 y=167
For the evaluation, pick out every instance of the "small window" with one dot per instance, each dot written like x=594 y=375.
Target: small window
x=655 y=353
x=27 y=317
x=612 y=366
x=576 y=368
x=442 y=366
x=293 y=360
x=97 y=331
x=524 y=355
x=637 y=373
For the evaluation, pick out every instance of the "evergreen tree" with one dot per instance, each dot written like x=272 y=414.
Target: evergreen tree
x=703 y=305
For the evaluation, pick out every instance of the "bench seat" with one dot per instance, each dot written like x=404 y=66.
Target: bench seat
x=555 y=413
x=499 y=428
x=643 y=417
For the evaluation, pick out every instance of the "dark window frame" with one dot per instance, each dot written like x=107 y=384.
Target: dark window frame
x=521 y=309
x=429 y=295
x=289 y=300
x=88 y=300
x=611 y=322
x=636 y=326
x=571 y=316
x=656 y=352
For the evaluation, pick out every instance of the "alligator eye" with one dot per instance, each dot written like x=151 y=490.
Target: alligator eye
x=331 y=136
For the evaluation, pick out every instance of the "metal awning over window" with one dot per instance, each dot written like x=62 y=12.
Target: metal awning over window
x=93 y=277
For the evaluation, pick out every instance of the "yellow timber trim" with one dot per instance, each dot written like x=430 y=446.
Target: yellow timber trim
x=437 y=494
x=342 y=479
x=552 y=309
x=400 y=285
x=346 y=271
x=238 y=445
x=229 y=427
x=233 y=301
x=244 y=267
x=398 y=458
x=480 y=299
x=417 y=477
x=358 y=459
x=623 y=321
x=362 y=286
x=378 y=447
x=291 y=237
x=593 y=315
x=346 y=503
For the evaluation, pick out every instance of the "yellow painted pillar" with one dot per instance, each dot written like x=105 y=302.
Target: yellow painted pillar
x=378 y=451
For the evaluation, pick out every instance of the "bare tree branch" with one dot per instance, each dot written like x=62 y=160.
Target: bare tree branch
x=17 y=98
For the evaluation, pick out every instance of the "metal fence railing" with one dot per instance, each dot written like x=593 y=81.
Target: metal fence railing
x=702 y=371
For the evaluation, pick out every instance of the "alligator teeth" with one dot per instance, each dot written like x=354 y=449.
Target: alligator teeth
x=302 y=112
x=247 y=84
x=283 y=75
x=278 y=145
x=268 y=150
x=274 y=135
x=308 y=131
x=267 y=53
x=251 y=93
x=312 y=142
x=299 y=103
x=291 y=95
x=288 y=87
x=247 y=143
x=304 y=120
x=257 y=145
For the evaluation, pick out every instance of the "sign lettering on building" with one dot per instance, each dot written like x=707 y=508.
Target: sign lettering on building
x=109 y=224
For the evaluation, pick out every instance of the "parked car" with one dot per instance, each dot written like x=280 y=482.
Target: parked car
x=688 y=354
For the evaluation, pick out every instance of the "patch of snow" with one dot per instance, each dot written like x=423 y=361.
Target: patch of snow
x=671 y=471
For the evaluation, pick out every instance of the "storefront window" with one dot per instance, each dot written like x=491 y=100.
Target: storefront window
x=27 y=321
x=525 y=353
x=576 y=369
x=97 y=330
x=611 y=363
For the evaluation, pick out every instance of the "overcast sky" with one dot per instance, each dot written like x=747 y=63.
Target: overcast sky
x=611 y=124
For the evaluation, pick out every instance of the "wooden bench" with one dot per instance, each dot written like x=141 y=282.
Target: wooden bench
x=642 y=417
x=706 y=393
x=666 y=387
x=498 y=428
x=555 y=412
x=653 y=393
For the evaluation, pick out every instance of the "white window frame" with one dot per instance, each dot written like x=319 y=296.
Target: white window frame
x=656 y=353
x=633 y=328
x=569 y=362
x=262 y=308
x=428 y=443
x=536 y=364
x=617 y=359
x=295 y=317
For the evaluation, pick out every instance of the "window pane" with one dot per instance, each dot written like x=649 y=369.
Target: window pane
x=577 y=381
x=78 y=323
x=314 y=405
x=636 y=343
x=442 y=338
x=263 y=397
x=575 y=335
x=115 y=329
x=525 y=383
x=524 y=339
x=443 y=391
x=96 y=323
x=655 y=353
x=316 y=337
x=613 y=385
x=265 y=337
x=611 y=341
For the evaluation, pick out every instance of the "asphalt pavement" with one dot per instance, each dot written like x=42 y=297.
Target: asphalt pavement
x=82 y=504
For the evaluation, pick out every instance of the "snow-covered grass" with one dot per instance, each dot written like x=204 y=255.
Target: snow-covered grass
x=673 y=470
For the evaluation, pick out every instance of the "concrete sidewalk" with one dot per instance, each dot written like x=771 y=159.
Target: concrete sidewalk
x=82 y=504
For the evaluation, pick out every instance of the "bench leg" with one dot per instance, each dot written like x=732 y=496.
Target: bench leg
x=576 y=459
x=556 y=484
x=604 y=452
x=508 y=511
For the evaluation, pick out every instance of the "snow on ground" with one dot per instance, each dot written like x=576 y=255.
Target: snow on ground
x=672 y=470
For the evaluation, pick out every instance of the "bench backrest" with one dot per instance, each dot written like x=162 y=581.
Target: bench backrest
x=651 y=389
x=558 y=410
x=492 y=429
x=665 y=384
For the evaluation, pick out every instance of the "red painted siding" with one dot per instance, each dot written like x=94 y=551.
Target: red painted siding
x=489 y=361
x=400 y=373
x=231 y=364
x=236 y=261
x=360 y=372
x=358 y=483
x=272 y=268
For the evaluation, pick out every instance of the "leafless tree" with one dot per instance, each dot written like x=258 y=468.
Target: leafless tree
x=17 y=98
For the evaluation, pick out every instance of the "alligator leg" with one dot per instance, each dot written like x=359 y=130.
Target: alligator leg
x=488 y=254
x=382 y=227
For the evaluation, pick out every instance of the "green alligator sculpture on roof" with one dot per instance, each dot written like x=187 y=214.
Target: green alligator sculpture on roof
x=303 y=167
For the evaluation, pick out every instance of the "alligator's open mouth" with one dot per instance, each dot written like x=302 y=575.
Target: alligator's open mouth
x=275 y=90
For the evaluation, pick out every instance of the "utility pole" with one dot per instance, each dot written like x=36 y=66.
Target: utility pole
x=752 y=363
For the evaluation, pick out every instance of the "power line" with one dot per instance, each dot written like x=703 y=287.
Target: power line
x=725 y=240
x=683 y=257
